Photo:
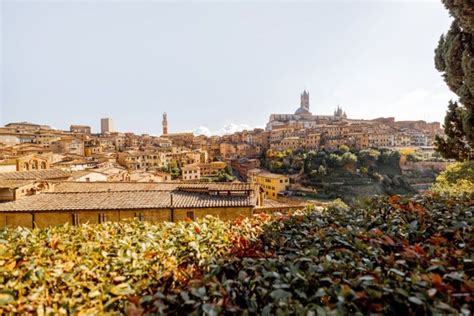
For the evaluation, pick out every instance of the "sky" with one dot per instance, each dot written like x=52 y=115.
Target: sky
x=217 y=67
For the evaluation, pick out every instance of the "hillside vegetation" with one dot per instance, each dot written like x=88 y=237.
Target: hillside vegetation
x=391 y=255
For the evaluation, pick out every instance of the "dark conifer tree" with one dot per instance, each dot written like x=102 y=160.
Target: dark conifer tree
x=454 y=57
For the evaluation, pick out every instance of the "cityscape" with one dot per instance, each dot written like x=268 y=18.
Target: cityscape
x=311 y=213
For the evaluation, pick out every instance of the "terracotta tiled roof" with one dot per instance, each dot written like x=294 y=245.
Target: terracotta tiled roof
x=13 y=184
x=123 y=200
x=147 y=186
x=113 y=186
x=48 y=174
x=190 y=200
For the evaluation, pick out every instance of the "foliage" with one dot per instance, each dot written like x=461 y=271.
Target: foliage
x=407 y=151
x=454 y=57
x=395 y=257
x=93 y=268
x=344 y=149
x=349 y=161
x=457 y=179
x=454 y=144
x=389 y=255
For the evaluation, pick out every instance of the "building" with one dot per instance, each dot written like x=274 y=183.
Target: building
x=12 y=190
x=83 y=129
x=270 y=183
x=165 y=124
x=88 y=176
x=106 y=125
x=191 y=172
x=93 y=202
x=244 y=165
x=212 y=169
x=68 y=145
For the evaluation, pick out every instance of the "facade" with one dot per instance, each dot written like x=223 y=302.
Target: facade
x=191 y=172
x=83 y=129
x=270 y=183
x=106 y=125
x=68 y=145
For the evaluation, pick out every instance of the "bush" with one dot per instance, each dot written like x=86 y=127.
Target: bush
x=389 y=255
x=457 y=179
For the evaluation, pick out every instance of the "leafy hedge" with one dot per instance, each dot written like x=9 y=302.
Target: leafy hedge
x=95 y=268
x=394 y=256
x=391 y=256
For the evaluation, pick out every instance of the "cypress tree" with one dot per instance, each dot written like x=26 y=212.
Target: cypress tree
x=454 y=57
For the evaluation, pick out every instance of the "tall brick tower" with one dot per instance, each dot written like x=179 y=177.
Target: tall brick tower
x=164 y=123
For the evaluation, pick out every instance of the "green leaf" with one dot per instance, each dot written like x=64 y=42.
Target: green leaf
x=6 y=298
x=122 y=289
x=415 y=300
x=280 y=294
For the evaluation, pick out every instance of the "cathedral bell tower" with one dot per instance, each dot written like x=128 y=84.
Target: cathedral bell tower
x=304 y=103
x=164 y=123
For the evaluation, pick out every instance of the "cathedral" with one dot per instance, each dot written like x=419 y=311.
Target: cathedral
x=303 y=118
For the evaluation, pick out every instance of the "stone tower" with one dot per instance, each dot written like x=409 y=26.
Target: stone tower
x=164 y=123
x=304 y=100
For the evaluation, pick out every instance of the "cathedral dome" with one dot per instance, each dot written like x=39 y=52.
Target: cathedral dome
x=302 y=111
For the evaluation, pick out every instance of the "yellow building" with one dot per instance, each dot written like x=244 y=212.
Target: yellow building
x=271 y=183
x=94 y=202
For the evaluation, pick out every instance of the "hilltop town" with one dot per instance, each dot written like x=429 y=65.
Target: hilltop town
x=73 y=171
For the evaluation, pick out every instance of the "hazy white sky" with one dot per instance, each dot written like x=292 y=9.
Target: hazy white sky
x=217 y=66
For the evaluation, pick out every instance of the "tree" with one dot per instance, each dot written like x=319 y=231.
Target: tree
x=454 y=145
x=344 y=149
x=322 y=170
x=349 y=161
x=368 y=157
x=454 y=57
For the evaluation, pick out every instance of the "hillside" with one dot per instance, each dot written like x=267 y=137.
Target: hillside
x=391 y=255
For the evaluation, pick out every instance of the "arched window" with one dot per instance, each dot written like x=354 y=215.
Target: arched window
x=25 y=166
x=34 y=164
x=43 y=165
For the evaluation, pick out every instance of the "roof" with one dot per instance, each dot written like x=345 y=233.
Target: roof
x=13 y=184
x=47 y=174
x=148 y=186
x=123 y=200
x=81 y=173
x=271 y=175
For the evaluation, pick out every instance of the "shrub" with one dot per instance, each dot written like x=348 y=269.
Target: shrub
x=457 y=179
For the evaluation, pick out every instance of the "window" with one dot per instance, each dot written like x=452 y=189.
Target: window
x=75 y=219
x=102 y=218
x=190 y=215
x=140 y=216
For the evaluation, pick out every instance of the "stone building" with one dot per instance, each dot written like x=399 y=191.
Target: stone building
x=83 y=129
